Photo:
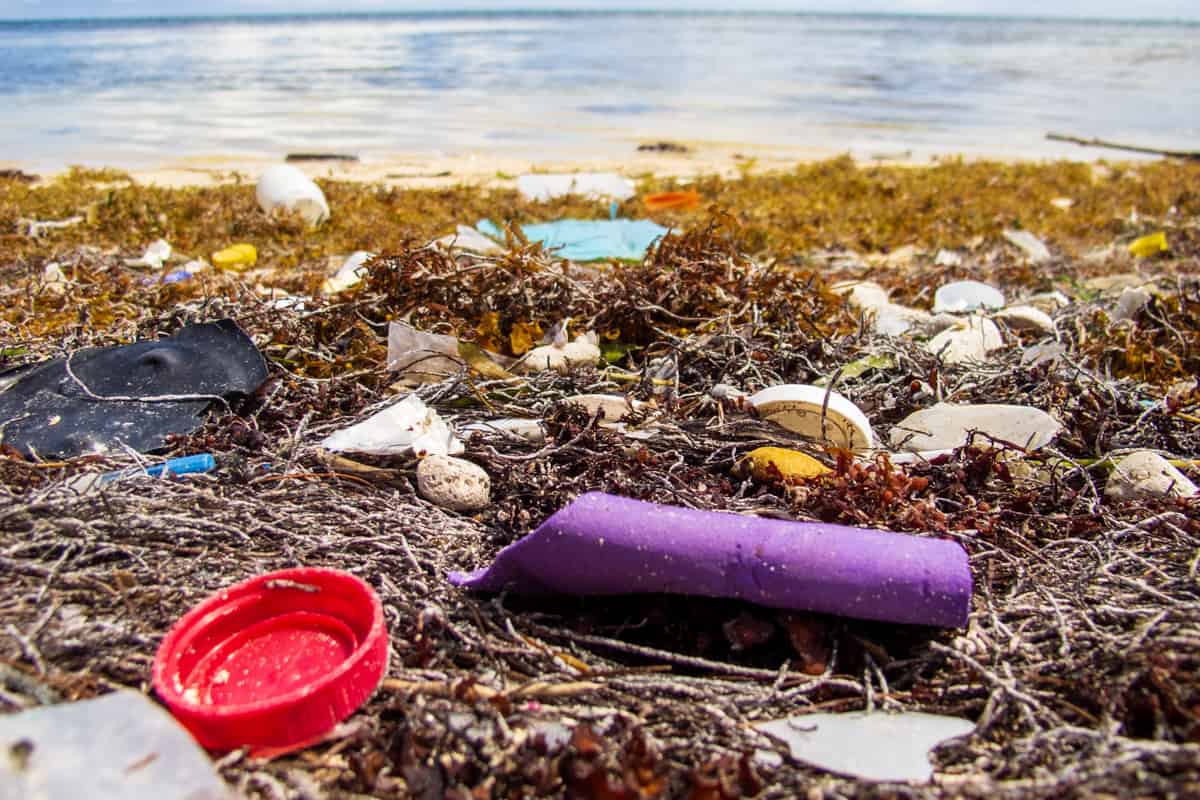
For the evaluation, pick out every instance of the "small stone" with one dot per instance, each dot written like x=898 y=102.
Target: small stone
x=863 y=294
x=453 y=483
x=1034 y=248
x=613 y=407
x=1049 y=302
x=946 y=426
x=1147 y=474
x=893 y=319
x=1026 y=318
x=556 y=357
x=971 y=340
x=966 y=296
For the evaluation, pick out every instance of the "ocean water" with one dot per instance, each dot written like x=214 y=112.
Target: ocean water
x=135 y=92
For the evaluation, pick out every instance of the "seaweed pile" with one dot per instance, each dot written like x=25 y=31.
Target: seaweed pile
x=1079 y=663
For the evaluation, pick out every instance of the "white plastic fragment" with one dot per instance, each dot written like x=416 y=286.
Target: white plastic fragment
x=875 y=746
x=587 y=184
x=1147 y=474
x=154 y=257
x=894 y=319
x=1025 y=318
x=34 y=228
x=54 y=280
x=409 y=426
x=862 y=294
x=946 y=426
x=817 y=413
x=453 y=483
x=1045 y=353
x=284 y=187
x=1034 y=249
x=966 y=296
x=350 y=274
x=467 y=238
x=120 y=746
x=420 y=354
x=970 y=339
x=948 y=258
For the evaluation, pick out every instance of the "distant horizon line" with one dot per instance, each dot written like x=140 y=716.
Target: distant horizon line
x=479 y=12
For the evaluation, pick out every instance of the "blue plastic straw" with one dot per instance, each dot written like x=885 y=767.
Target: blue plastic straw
x=187 y=465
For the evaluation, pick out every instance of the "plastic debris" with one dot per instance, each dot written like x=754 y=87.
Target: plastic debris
x=54 y=280
x=135 y=395
x=599 y=185
x=948 y=258
x=969 y=339
x=1148 y=246
x=860 y=366
x=966 y=296
x=877 y=746
x=284 y=187
x=406 y=427
x=946 y=426
x=610 y=407
x=590 y=239
x=1026 y=318
x=1130 y=303
x=1046 y=353
x=660 y=201
x=820 y=414
x=772 y=463
x=350 y=274
x=467 y=238
x=426 y=356
x=186 y=465
x=1147 y=474
x=601 y=544
x=236 y=256
x=155 y=255
x=35 y=228
x=121 y=746
x=275 y=662
x=453 y=483
x=1034 y=248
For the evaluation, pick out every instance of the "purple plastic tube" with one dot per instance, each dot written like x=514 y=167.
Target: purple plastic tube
x=603 y=544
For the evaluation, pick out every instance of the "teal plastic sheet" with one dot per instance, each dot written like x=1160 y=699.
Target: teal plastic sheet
x=591 y=239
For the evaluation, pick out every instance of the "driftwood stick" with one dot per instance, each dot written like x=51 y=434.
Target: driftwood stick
x=1193 y=155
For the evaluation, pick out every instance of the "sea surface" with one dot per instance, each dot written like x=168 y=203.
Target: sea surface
x=136 y=92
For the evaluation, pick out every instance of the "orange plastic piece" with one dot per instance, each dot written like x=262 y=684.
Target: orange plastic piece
x=664 y=200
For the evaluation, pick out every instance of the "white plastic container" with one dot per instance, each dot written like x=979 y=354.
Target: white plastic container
x=799 y=407
x=285 y=187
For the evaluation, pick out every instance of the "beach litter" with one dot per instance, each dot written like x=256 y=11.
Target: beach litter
x=103 y=399
x=1147 y=474
x=285 y=188
x=589 y=239
x=966 y=340
x=349 y=274
x=817 y=413
x=601 y=544
x=875 y=746
x=120 y=746
x=780 y=463
x=661 y=201
x=408 y=427
x=185 y=465
x=1025 y=318
x=236 y=256
x=275 y=662
x=598 y=185
x=1032 y=247
x=155 y=255
x=1150 y=245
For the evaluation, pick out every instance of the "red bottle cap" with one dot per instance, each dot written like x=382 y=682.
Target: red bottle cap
x=275 y=662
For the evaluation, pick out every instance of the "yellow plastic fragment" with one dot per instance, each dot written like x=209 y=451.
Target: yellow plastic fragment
x=236 y=256
x=788 y=464
x=1150 y=245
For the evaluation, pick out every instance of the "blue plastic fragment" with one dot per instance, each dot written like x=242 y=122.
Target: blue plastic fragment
x=186 y=465
x=589 y=239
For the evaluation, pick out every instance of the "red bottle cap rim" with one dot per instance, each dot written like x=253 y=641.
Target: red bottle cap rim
x=275 y=662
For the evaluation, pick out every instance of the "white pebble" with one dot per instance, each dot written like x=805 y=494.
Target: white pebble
x=453 y=483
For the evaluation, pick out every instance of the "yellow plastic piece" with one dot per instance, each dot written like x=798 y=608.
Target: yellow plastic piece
x=1150 y=245
x=790 y=464
x=236 y=256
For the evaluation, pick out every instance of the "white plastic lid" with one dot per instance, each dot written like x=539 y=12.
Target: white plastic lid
x=798 y=407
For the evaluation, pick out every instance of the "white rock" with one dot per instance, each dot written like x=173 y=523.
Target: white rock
x=453 y=483
x=893 y=319
x=1048 y=352
x=1026 y=318
x=971 y=340
x=1147 y=474
x=862 y=294
x=1049 y=301
x=946 y=426
x=614 y=407
x=1130 y=303
x=966 y=296
x=1034 y=249
x=554 y=356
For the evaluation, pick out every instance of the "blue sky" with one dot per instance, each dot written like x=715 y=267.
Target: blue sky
x=1162 y=9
